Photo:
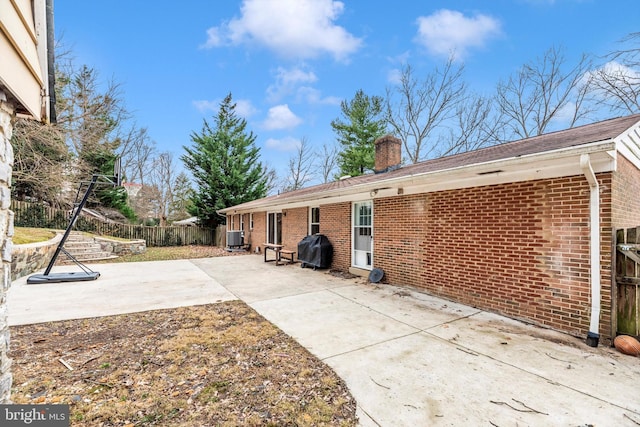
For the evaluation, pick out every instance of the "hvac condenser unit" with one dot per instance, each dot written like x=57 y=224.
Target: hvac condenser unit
x=235 y=238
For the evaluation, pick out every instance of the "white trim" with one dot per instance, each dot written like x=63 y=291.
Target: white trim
x=629 y=145
x=353 y=226
x=546 y=165
x=276 y=229
x=310 y=213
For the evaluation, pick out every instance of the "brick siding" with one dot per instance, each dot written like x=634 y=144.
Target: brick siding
x=626 y=188
x=258 y=235
x=518 y=249
x=335 y=223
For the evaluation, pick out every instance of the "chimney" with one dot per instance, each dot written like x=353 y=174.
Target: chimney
x=388 y=154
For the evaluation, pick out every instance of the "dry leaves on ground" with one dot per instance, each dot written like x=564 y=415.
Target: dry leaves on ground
x=219 y=364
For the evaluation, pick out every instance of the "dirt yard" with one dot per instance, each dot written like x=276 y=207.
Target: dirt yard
x=213 y=365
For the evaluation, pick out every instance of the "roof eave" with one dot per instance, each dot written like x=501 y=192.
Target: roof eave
x=548 y=164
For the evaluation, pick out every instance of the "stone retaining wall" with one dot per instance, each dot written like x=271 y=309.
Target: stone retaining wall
x=31 y=257
x=120 y=247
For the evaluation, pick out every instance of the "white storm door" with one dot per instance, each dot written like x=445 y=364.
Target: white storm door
x=363 y=235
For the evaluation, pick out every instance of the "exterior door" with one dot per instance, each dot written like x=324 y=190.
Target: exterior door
x=363 y=235
x=274 y=228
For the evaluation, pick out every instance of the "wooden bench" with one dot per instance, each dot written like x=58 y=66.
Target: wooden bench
x=285 y=255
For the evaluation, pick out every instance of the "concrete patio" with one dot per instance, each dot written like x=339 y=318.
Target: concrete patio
x=407 y=357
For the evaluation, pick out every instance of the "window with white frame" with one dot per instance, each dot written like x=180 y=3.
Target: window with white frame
x=251 y=221
x=314 y=221
x=242 y=222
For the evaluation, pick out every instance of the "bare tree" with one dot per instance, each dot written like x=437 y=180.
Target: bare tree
x=616 y=85
x=137 y=153
x=40 y=157
x=543 y=91
x=88 y=113
x=271 y=176
x=475 y=125
x=417 y=108
x=327 y=162
x=300 y=170
x=162 y=178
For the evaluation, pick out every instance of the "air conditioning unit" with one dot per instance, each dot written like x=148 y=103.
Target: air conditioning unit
x=235 y=238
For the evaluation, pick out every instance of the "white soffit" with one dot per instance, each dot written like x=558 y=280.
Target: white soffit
x=546 y=165
x=628 y=144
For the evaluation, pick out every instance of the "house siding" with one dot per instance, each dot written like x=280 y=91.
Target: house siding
x=518 y=249
x=626 y=188
x=335 y=223
x=258 y=235
x=295 y=225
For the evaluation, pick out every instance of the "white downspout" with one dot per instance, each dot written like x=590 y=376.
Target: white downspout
x=594 y=249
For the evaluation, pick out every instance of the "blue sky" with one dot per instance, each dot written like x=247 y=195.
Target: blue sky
x=289 y=63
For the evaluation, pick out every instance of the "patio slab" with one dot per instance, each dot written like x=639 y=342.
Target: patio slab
x=121 y=288
x=408 y=358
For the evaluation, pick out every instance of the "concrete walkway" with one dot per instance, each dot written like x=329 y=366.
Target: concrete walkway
x=409 y=359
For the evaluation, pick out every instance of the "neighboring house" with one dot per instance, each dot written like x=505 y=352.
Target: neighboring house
x=522 y=228
x=25 y=73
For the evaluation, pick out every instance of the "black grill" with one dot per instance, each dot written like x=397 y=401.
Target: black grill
x=315 y=251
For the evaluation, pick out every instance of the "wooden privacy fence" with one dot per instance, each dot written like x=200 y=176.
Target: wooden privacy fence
x=626 y=298
x=35 y=215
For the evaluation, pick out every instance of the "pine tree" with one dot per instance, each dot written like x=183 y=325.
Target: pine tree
x=224 y=163
x=363 y=123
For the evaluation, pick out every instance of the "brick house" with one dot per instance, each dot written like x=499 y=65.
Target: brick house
x=523 y=228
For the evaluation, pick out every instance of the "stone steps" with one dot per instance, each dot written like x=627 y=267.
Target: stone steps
x=83 y=248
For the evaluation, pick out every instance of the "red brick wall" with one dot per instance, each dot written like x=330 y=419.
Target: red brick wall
x=295 y=225
x=399 y=236
x=519 y=249
x=257 y=236
x=335 y=223
x=626 y=192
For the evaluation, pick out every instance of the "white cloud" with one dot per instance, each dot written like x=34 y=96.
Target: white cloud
x=284 y=144
x=614 y=68
x=449 y=32
x=281 y=117
x=394 y=76
x=213 y=38
x=244 y=107
x=312 y=95
x=612 y=73
x=204 y=105
x=287 y=80
x=291 y=28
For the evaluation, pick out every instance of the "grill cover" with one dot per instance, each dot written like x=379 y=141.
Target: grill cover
x=315 y=251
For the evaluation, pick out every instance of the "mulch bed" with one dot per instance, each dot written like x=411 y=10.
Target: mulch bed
x=219 y=364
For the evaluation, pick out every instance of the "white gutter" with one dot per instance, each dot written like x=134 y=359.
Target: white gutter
x=538 y=160
x=594 y=210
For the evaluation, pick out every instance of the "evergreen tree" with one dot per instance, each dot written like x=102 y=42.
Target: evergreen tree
x=182 y=196
x=224 y=163
x=363 y=123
